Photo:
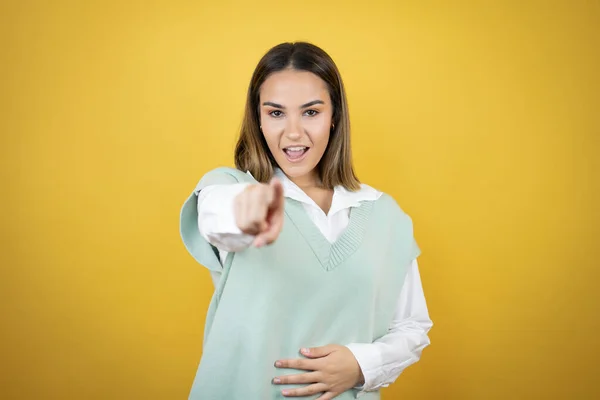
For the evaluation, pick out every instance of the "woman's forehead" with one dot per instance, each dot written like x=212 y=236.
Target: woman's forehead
x=291 y=86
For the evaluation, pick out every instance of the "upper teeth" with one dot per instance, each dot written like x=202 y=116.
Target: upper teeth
x=295 y=148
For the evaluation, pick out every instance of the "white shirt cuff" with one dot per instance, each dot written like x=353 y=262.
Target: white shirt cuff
x=369 y=360
x=216 y=218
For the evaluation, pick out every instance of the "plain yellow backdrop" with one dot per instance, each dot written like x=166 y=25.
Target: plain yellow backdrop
x=480 y=118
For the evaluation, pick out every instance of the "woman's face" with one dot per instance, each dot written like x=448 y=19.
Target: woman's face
x=295 y=115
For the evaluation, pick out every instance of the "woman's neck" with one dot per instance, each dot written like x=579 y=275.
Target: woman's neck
x=307 y=182
x=312 y=186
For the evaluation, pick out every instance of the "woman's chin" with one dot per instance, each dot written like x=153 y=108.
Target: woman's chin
x=295 y=171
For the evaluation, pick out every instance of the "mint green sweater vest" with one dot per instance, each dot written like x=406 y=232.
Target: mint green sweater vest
x=299 y=292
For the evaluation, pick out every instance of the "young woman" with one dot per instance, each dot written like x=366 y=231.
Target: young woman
x=317 y=289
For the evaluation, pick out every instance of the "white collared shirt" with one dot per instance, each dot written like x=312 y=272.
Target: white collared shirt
x=381 y=361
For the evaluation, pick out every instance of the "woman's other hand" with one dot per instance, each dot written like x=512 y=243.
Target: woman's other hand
x=330 y=370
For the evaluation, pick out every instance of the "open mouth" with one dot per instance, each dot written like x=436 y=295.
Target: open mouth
x=295 y=153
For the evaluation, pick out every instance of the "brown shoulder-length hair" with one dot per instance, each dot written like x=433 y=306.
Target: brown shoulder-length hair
x=252 y=153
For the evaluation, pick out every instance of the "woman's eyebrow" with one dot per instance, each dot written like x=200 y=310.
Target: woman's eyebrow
x=310 y=103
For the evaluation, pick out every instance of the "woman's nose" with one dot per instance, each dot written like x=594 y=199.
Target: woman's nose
x=293 y=129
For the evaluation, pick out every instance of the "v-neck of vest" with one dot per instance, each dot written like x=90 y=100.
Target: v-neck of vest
x=330 y=255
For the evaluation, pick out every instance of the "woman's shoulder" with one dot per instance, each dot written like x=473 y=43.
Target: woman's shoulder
x=224 y=176
x=382 y=201
x=226 y=172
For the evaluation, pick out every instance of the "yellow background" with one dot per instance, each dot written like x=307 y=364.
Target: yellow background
x=480 y=118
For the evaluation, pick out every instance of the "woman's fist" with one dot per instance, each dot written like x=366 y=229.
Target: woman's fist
x=259 y=211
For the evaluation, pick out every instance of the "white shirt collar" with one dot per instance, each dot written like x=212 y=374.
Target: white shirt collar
x=342 y=198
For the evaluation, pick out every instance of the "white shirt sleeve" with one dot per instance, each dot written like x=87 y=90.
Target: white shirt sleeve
x=216 y=219
x=384 y=360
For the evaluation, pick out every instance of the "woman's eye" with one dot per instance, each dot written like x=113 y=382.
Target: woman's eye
x=311 y=113
x=276 y=113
